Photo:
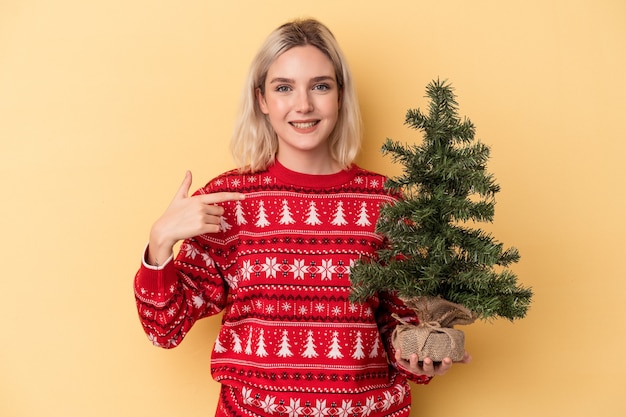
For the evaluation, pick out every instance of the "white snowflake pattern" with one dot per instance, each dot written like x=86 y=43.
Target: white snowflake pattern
x=358 y=180
x=375 y=183
x=303 y=310
x=388 y=401
x=191 y=251
x=294 y=408
x=321 y=408
x=298 y=269
x=207 y=259
x=319 y=307
x=353 y=308
x=267 y=180
x=336 y=310
x=286 y=306
x=346 y=409
x=236 y=182
x=369 y=406
x=326 y=270
x=247 y=396
x=401 y=392
x=153 y=340
x=271 y=266
x=269 y=309
x=171 y=311
x=247 y=269
x=232 y=280
x=268 y=405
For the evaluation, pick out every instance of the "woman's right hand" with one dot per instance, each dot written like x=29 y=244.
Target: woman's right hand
x=186 y=217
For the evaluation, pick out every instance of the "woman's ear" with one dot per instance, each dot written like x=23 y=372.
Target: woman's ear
x=261 y=100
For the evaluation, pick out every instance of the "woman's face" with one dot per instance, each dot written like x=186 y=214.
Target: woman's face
x=301 y=101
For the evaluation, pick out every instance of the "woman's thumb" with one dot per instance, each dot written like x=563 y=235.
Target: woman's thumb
x=183 y=190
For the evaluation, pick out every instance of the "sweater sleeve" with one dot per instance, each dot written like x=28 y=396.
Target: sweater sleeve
x=390 y=305
x=170 y=299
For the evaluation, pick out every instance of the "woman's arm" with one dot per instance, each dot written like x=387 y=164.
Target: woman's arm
x=171 y=295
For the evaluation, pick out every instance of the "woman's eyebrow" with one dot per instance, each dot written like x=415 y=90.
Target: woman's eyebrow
x=282 y=80
x=323 y=78
x=291 y=81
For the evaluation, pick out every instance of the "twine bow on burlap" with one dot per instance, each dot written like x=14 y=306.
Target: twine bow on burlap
x=434 y=336
x=415 y=337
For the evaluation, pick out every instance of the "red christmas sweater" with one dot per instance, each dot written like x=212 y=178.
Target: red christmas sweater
x=291 y=342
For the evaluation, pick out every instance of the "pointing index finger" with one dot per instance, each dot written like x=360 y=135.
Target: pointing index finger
x=221 y=197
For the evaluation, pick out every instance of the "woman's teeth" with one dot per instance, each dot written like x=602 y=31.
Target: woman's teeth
x=303 y=125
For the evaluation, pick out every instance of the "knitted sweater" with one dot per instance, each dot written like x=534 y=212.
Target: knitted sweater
x=291 y=342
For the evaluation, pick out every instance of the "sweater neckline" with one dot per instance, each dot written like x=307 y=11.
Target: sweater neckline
x=313 y=181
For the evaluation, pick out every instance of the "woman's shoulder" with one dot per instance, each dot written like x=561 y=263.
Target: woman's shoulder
x=371 y=180
x=232 y=180
x=360 y=172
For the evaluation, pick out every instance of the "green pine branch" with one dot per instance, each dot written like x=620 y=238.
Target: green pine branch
x=431 y=248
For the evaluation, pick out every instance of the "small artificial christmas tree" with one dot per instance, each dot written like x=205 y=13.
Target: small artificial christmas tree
x=435 y=261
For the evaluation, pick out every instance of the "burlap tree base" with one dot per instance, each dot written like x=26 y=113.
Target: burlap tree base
x=434 y=337
x=429 y=341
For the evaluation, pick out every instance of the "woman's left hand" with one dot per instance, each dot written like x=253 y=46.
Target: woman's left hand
x=427 y=366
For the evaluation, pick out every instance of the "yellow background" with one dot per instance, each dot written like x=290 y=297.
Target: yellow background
x=105 y=104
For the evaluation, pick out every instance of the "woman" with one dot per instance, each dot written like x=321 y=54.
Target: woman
x=271 y=243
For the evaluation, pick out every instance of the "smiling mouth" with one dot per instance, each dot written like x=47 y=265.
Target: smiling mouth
x=304 y=125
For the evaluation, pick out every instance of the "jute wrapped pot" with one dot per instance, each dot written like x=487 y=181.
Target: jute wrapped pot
x=434 y=337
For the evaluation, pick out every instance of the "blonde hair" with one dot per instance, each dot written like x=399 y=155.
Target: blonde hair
x=254 y=143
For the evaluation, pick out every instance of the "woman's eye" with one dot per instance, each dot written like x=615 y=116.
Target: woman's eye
x=321 y=87
x=283 y=88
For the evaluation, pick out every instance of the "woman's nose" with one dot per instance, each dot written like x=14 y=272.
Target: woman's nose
x=304 y=102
